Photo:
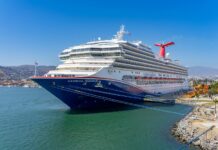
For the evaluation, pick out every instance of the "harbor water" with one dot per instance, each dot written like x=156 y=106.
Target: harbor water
x=32 y=118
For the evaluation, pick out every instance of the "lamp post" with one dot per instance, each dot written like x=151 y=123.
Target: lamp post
x=35 y=71
x=215 y=101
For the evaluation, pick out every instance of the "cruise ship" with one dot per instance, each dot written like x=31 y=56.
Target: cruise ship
x=101 y=72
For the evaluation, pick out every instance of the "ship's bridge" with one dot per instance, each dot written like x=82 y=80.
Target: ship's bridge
x=89 y=58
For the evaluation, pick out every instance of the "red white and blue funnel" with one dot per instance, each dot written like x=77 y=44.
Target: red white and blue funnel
x=162 y=48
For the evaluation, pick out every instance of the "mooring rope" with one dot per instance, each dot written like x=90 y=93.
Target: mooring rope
x=116 y=101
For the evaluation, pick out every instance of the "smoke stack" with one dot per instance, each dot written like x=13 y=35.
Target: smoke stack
x=162 y=48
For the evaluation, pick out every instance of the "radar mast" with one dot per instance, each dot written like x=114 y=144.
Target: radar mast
x=121 y=33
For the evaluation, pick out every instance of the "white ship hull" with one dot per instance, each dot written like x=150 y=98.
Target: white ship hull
x=164 y=88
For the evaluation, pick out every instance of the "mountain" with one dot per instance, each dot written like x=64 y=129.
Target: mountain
x=22 y=72
x=199 y=71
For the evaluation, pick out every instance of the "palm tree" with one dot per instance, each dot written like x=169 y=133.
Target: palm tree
x=215 y=101
x=212 y=91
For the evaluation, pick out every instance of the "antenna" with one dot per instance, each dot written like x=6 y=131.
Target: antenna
x=121 y=33
x=162 y=48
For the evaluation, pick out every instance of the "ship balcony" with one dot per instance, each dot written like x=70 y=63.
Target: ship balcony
x=85 y=65
x=75 y=72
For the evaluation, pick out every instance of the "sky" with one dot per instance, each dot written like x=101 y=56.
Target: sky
x=39 y=30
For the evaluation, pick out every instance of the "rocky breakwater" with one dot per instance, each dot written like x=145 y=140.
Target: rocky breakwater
x=195 y=123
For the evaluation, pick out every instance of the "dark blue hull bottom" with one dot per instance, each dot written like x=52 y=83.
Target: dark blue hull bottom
x=87 y=93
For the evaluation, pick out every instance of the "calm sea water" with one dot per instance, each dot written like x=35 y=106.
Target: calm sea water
x=34 y=119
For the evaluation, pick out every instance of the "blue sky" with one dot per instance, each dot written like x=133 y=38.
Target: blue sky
x=40 y=29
